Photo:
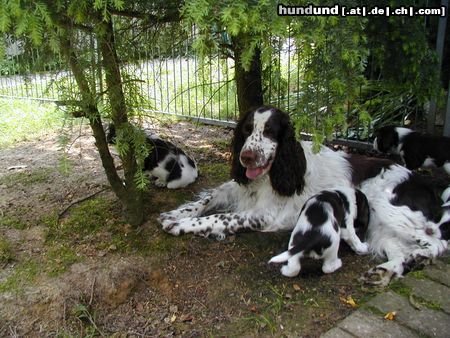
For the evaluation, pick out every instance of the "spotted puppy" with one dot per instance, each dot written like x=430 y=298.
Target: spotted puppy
x=324 y=220
x=167 y=164
x=416 y=149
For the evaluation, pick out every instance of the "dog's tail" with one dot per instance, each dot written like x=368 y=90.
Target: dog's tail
x=281 y=258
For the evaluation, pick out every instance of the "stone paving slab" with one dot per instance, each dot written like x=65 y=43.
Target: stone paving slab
x=336 y=332
x=426 y=321
x=439 y=272
x=411 y=319
x=364 y=324
x=431 y=291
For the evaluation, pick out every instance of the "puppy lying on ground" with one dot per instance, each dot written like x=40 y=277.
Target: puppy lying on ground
x=166 y=163
x=324 y=220
x=416 y=149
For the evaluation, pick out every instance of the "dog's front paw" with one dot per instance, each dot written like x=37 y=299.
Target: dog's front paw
x=168 y=217
x=160 y=183
x=172 y=227
x=378 y=276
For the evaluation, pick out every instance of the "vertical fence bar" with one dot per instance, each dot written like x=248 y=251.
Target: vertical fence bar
x=288 y=69
x=174 y=80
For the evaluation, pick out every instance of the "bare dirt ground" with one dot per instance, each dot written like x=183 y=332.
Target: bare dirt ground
x=88 y=273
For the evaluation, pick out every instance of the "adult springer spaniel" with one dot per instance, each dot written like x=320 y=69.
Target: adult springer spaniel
x=415 y=149
x=274 y=175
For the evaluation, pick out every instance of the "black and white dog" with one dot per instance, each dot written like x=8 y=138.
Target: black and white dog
x=274 y=175
x=166 y=163
x=325 y=219
x=416 y=149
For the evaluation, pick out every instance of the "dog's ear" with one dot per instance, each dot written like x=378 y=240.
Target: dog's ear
x=363 y=214
x=387 y=138
x=289 y=166
x=237 y=170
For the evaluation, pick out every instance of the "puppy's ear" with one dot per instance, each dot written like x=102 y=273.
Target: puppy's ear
x=289 y=166
x=387 y=138
x=237 y=170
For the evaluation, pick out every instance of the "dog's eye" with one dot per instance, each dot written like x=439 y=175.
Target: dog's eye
x=248 y=128
x=270 y=132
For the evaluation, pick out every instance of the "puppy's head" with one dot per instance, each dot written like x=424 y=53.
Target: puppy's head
x=386 y=139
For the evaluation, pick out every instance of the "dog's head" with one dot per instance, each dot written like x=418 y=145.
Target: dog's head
x=388 y=138
x=264 y=143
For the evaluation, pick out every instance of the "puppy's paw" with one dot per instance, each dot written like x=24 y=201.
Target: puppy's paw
x=362 y=249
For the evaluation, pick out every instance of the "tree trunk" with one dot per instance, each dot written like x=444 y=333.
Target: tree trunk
x=128 y=194
x=133 y=201
x=248 y=82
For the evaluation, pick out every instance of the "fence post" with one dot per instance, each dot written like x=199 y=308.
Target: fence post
x=447 y=114
x=431 y=118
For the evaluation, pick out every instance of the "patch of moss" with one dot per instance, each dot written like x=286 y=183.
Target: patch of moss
x=418 y=274
x=6 y=253
x=12 y=222
x=84 y=221
x=24 y=273
x=398 y=287
x=221 y=144
x=375 y=311
x=26 y=178
x=216 y=171
x=59 y=259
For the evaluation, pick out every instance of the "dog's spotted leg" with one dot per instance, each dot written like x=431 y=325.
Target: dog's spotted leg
x=218 y=225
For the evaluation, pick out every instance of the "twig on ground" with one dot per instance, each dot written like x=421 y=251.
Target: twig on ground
x=92 y=291
x=62 y=213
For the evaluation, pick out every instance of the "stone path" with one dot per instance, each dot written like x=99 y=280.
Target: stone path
x=421 y=302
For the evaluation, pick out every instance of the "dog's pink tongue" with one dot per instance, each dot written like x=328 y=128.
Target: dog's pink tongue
x=253 y=173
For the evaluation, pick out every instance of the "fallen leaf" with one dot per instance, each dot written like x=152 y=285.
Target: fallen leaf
x=297 y=287
x=254 y=309
x=390 y=315
x=348 y=301
x=186 y=318
x=173 y=318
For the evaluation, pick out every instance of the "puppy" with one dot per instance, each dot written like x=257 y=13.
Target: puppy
x=415 y=149
x=166 y=163
x=324 y=220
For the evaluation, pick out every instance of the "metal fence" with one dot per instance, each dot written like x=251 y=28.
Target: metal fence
x=171 y=80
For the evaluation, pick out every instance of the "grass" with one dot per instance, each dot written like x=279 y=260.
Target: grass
x=24 y=120
x=26 y=178
x=6 y=254
x=12 y=222
x=24 y=273
x=60 y=258
x=216 y=171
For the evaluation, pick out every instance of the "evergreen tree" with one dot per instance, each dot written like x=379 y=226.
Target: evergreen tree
x=66 y=26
